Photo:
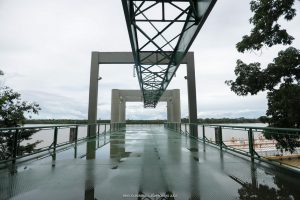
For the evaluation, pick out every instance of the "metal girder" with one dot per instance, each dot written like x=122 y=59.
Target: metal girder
x=166 y=28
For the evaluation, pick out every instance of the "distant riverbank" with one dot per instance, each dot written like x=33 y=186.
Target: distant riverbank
x=158 y=121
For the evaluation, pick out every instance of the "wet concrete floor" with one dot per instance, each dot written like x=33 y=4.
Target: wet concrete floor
x=147 y=162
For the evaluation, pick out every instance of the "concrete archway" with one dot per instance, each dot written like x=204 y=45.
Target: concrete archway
x=120 y=97
x=127 y=58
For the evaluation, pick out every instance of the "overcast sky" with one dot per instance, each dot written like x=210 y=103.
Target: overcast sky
x=45 y=48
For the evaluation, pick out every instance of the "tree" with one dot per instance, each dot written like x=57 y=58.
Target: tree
x=281 y=78
x=266 y=29
x=12 y=114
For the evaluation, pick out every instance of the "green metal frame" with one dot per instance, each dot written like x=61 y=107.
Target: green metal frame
x=155 y=34
x=54 y=146
x=249 y=129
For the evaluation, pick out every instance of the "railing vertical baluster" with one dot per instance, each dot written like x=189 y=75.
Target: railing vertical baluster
x=203 y=133
x=15 y=145
x=98 y=133
x=104 y=128
x=220 y=137
x=185 y=128
x=250 y=142
x=180 y=127
x=54 y=143
x=76 y=138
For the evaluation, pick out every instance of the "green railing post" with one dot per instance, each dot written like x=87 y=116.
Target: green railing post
x=76 y=138
x=54 y=143
x=98 y=133
x=203 y=133
x=180 y=128
x=15 y=145
x=250 y=142
x=185 y=128
x=220 y=137
x=104 y=128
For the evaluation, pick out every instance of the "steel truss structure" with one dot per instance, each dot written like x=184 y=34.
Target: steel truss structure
x=166 y=29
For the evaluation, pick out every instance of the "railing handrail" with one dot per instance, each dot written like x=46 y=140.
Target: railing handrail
x=291 y=145
x=16 y=131
x=295 y=130
x=53 y=126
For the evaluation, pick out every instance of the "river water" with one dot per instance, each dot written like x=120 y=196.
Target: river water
x=46 y=135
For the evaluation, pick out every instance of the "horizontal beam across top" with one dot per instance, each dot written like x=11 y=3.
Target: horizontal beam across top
x=147 y=58
x=136 y=95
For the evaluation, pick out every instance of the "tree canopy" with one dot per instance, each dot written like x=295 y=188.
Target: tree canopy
x=12 y=114
x=281 y=78
x=267 y=30
x=251 y=79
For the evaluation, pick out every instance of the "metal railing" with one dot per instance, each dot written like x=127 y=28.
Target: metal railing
x=20 y=142
x=275 y=145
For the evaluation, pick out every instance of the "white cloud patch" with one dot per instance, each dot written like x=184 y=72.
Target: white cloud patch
x=55 y=106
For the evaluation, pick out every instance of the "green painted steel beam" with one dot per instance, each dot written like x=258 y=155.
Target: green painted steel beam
x=166 y=28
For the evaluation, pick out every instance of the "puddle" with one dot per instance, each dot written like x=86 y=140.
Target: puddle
x=193 y=149
x=115 y=167
x=135 y=154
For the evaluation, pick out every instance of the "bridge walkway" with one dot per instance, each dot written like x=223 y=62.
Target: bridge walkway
x=150 y=161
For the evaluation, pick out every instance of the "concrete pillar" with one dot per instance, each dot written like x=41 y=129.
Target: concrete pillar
x=176 y=106
x=122 y=108
x=124 y=112
x=93 y=94
x=115 y=106
x=170 y=109
x=192 y=97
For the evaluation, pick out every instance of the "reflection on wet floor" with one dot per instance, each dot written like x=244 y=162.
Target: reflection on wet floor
x=147 y=162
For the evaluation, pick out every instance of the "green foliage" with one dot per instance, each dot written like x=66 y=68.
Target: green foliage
x=281 y=78
x=284 y=106
x=266 y=29
x=12 y=108
x=263 y=119
x=12 y=114
x=251 y=79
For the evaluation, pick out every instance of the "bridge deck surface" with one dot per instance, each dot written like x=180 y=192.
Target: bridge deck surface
x=148 y=160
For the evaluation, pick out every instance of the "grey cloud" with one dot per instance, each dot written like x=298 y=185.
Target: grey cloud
x=56 y=106
x=46 y=47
